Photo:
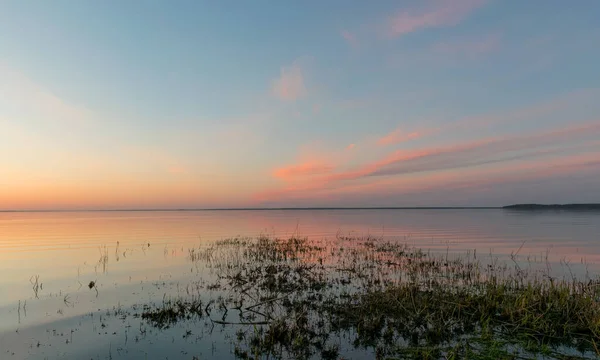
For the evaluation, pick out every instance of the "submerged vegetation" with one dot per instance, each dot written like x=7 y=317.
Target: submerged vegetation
x=296 y=298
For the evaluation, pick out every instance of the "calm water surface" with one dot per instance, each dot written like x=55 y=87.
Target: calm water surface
x=140 y=257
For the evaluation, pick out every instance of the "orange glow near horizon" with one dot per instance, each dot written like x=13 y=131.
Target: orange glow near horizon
x=293 y=135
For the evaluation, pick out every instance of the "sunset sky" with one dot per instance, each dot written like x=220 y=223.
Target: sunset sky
x=218 y=104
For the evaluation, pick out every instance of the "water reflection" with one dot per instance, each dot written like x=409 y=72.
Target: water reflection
x=49 y=259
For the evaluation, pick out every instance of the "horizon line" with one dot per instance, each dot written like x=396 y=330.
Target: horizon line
x=262 y=209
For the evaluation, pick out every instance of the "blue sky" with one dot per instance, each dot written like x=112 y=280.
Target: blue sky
x=109 y=104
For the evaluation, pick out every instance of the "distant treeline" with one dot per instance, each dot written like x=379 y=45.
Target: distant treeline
x=553 y=207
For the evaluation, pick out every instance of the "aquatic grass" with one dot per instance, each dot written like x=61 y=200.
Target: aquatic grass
x=390 y=300
x=36 y=286
x=103 y=260
x=556 y=315
x=172 y=311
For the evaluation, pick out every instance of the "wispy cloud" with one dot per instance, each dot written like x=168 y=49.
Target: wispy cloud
x=289 y=86
x=409 y=169
x=444 y=187
x=488 y=179
x=397 y=136
x=480 y=152
x=329 y=170
x=440 y=13
x=314 y=160
x=292 y=172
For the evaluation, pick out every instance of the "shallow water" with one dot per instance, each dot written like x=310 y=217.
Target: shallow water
x=140 y=257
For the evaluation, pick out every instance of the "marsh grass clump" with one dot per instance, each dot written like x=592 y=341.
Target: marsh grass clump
x=286 y=336
x=298 y=298
x=533 y=317
x=171 y=312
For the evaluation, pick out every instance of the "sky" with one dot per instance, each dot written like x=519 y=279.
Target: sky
x=340 y=103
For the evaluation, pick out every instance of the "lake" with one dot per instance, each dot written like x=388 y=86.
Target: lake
x=49 y=259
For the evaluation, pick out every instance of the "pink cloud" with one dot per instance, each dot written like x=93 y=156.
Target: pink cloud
x=300 y=170
x=431 y=163
x=397 y=136
x=441 y=13
x=290 y=84
x=330 y=172
x=476 y=153
x=350 y=38
x=314 y=162
x=521 y=172
x=373 y=167
x=471 y=180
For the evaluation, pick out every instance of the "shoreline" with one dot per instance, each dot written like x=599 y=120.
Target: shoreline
x=572 y=207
